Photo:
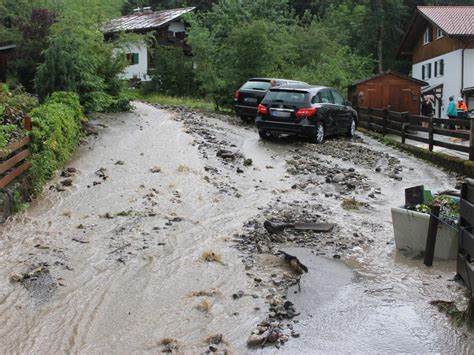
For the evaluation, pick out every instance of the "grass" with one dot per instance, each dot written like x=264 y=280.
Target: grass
x=157 y=98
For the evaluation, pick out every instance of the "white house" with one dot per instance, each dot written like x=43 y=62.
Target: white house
x=440 y=43
x=167 y=26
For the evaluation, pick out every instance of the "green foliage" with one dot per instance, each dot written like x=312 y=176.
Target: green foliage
x=13 y=108
x=56 y=132
x=18 y=204
x=237 y=40
x=78 y=60
x=173 y=72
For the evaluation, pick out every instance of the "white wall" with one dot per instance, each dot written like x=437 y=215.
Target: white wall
x=451 y=79
x=139 y=70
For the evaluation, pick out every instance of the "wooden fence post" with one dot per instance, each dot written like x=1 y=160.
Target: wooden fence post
x=471 y=142
x=369 y=112
x=384 y=121
x=27 y=123
x=404 y=126
x=430 y=133
x=431 y=237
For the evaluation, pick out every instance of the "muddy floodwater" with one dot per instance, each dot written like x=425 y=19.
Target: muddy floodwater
x=152 y=240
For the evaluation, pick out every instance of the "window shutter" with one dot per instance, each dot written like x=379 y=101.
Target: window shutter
x=428 y=74
x=441 y=67
x=430 y=33
x=423 y=74
x=436 y=69
x=135 y=58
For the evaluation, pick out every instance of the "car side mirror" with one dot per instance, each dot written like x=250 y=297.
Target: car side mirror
x=348 y=103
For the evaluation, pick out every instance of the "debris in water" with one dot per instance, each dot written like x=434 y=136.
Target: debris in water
x=66 y=182
x=294 y=262
x=275 y=228
x=211 y=256
x=203 y=306
x=248 y=162
x=102 y=173
x=119 y=162
x=21 y=277
x=156 y=169
x=169 y=345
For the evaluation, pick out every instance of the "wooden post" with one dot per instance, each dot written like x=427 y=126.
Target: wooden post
x=384 y=121
x=27 y=123
x=431 y=238
x=404 y=127
x=471 y=141
x=430 y=133
x=369 y=112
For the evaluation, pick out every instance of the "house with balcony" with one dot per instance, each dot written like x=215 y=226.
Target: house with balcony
x=167 y=27
x=439 y=42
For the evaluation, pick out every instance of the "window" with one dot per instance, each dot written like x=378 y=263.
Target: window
x=428 y=35
x=324 y=97
x=338 y=99
x=428 y=71
x=423 y=72
x=287 y=96
x=441 y=67
x=439 y=33
x=132 y=58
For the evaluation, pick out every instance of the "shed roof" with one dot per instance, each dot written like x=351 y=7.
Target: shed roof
x=143 y=21
x=454 y=21
x=403 y=76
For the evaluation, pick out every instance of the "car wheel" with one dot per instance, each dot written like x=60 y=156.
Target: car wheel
x=352 y=127
x=264 y=135
x=319 y=134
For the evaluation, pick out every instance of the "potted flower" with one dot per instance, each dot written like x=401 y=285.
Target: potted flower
x=410 y=226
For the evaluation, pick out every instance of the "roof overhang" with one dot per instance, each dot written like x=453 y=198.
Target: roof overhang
x=8 y=48
x=388 y=72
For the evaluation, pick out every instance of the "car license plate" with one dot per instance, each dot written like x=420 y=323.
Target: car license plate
x=281 y=114
x=250 y=100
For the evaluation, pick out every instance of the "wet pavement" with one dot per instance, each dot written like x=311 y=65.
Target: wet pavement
x=159 y=245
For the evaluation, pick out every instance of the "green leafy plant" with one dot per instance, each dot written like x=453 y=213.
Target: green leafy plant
x=56 y=132
x=449 y=208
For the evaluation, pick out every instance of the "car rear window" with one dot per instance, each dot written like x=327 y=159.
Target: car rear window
x=287 y=96
x=256 y=85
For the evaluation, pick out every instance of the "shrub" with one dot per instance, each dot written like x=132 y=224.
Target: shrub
x=56 y=132
x=78 y=60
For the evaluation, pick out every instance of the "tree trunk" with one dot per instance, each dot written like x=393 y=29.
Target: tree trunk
x=380 y=48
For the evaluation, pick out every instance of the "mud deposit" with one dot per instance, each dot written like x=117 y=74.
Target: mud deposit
x=153 y=240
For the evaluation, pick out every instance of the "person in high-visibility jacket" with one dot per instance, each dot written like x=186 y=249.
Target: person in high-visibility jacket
x=461 y=105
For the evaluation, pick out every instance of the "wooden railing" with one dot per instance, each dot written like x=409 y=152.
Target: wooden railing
x=13 y=158
x=465 y=262
x=407 y=125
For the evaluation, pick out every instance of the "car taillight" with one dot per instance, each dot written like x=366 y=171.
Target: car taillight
x=262 y=110
x=237 y=95
x=306 y=112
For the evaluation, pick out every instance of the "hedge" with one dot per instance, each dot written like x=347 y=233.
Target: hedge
x=56 y=133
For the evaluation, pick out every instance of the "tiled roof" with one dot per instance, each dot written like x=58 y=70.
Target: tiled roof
x=453 y=20
x=144 y=21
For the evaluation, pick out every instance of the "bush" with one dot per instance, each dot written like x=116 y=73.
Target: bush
x=56 y=132
x=78 y=60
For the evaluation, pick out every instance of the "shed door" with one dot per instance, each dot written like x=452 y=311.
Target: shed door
x=375 y=95
x=401 y=98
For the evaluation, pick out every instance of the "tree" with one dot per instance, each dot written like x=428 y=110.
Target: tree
x=78 y=60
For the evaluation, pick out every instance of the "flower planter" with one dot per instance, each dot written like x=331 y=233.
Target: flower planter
x=411 y=229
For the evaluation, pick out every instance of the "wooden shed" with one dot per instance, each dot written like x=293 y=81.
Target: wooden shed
x=391 y=90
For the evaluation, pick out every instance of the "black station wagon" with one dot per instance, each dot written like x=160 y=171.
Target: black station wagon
x=249 y=96
x=310 y=111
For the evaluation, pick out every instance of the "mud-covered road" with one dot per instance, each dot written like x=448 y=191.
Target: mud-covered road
x=152 y=240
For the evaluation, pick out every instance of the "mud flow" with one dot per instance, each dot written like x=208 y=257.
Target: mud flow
x=152 y=240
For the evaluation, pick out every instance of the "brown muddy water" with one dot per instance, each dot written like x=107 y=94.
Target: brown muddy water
x=140 y=251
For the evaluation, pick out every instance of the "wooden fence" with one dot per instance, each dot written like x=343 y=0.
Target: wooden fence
x=407 y=126
x=465 y=264
x=13 y=159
